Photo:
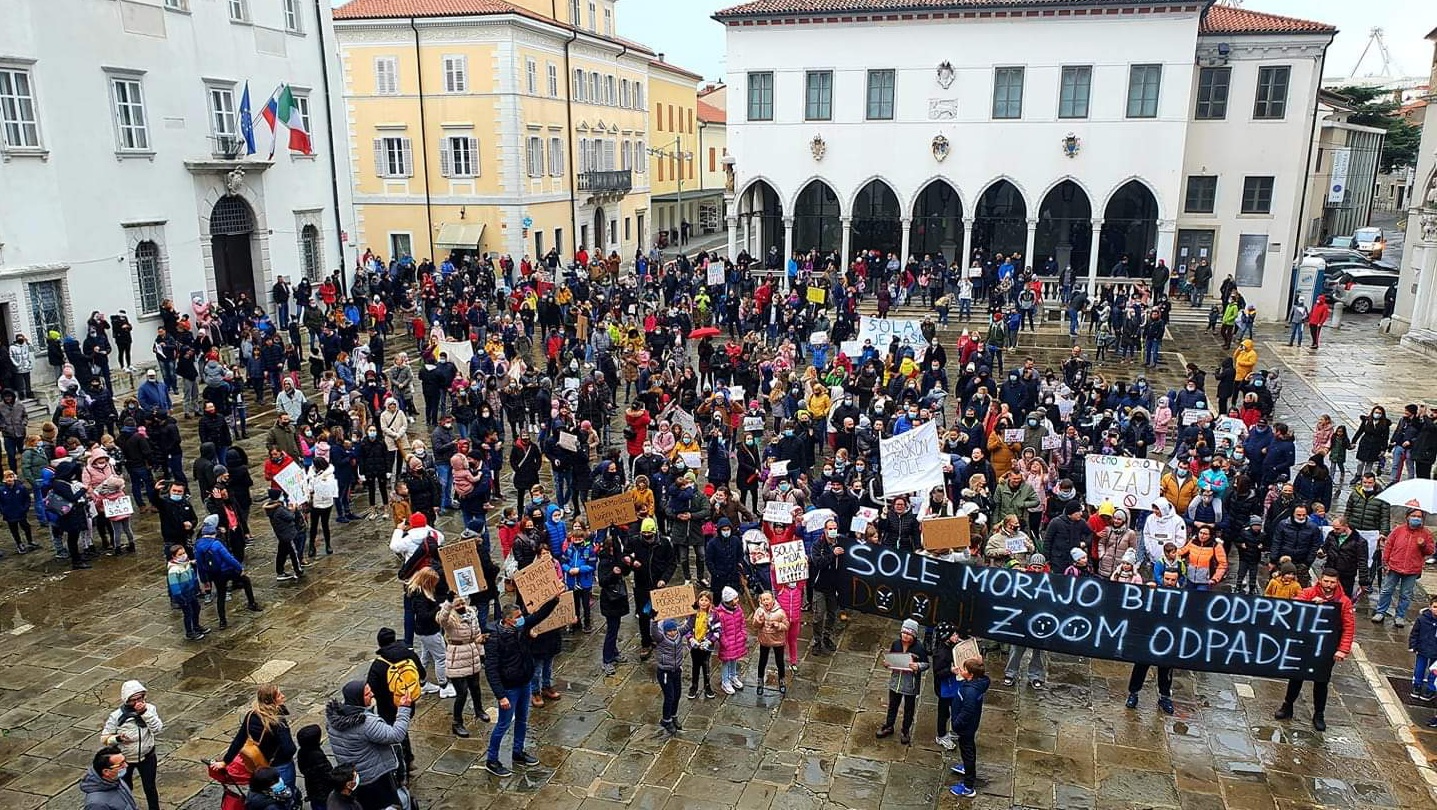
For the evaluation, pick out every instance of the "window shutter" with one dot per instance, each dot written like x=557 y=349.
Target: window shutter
x=608 y=156
x=380 y=168
x=473 y=157
x=407 y=149
x=446 y=158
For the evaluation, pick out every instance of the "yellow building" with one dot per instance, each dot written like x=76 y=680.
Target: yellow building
x=715 y=197
x=495 y=126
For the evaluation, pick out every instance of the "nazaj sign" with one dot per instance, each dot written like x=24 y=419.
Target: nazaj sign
x=1087 y=616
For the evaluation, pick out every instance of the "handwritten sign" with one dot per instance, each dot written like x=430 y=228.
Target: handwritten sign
x=818 y=339
x=617 y=510
x=1052 y=441
x=945 y=534
x=865 y=516
x=882 y=330
x=692 y=460
x=564 y=614
x=119 y=508
x=790 y=564
x=1191 y=416
x=1088 y=616
x=290 y=478
x=911 y=461
x=900 y=661
x=1132 y=483
x=753 y=424
x=1013 y=435
x=673 y=602
x=685 y=421
x=778 y=512
x=715 y=274
x=568 y=441
x=965 y=649
x=735 y=393
x=538 y=583
x=817 y=295
x=456 y=557
x=814 y=520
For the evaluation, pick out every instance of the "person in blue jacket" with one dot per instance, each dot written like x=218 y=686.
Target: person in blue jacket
x=578 y=561
x=967 y=713
x=1281 y=455
x=221 y=569
x=15 y=508
x=1255 y=447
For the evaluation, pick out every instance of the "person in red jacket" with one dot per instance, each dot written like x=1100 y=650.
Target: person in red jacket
x=1403 y=554
x=1327 y=589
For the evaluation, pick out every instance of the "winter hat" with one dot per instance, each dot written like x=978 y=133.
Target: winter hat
x=728 y=594
x=910 y=626
x=210 y=525
x=1037 y=559
x=220 y=469
x=354 y=693
x=1078 y=555
x=129 y=689
x=308 y=737
x=1130 y=557
x=418 y=521
x=670 y=626
x=385 y=636
x=1254 y=520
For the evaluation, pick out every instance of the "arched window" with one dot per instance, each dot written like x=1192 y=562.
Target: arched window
x=147 y=277
x=309 y=252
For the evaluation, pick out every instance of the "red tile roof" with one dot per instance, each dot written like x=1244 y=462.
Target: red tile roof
x=383 y=9
x=1229 y=20
x=770 y=8
x=710 y=113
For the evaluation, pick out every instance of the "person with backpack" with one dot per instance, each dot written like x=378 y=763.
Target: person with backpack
x=220 y=568
x=395 y=675
x=263 y=739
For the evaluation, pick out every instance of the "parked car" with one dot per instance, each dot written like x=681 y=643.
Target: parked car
x=1361 y=291
x=1370 y=242
x=1341 y=242
x=1330 y=253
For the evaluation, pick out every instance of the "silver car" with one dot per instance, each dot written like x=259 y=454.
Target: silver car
x=1361 y=291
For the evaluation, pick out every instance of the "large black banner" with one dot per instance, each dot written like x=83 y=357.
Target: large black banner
x=1088 y=616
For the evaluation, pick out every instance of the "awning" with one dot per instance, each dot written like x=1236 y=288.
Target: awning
x=460 y=235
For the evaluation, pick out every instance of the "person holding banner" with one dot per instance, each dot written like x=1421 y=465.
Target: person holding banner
x=1327 y=589
x=1139 y=674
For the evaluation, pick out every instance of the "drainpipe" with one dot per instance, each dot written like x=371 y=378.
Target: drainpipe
x=569 y=131
x=1306 y=178
x=329 y=132
x=423 y=138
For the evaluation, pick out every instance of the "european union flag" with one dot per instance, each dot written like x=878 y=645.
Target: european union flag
x=246 y=121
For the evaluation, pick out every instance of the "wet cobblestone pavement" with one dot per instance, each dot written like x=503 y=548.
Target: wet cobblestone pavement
x=70 y=639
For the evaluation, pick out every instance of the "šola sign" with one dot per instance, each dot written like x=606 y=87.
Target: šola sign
x=1087 y=616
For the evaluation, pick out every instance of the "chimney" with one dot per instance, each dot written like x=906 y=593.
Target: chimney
x=661 y=57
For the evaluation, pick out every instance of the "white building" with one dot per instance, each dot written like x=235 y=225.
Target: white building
x=1085 y=130
x=119 y=150
x=1415 y=312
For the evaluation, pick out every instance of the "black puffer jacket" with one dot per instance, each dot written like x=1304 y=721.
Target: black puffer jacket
x=1365 y=513
x=1348 y=557
x=900 y=531
x=509 y=652
x=1300 y=541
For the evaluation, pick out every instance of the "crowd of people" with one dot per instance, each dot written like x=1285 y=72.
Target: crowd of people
x=740 y=407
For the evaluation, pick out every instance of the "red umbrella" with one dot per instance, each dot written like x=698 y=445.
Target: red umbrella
x=704 y=332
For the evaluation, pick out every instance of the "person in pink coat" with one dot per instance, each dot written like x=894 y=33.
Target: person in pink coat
x=790 y=598
x=733 y=639
x=1162 y=423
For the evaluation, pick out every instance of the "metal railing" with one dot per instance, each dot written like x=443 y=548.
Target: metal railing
x=614 y=182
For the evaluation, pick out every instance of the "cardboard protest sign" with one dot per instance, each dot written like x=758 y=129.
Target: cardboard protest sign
x=616 y=510
x=564 y=615
x=1052 y=441
x=911 y=461
x=945 y=534
x=538 y=583
x=1088 y=616
x=778 y=512
x=790 y=563
x=778 y=469
x=1013 y=435
x=715 y=274
x=456 y=557
x=1131 y=483
x=817 y=295
x=818 y=339
x=568 y=441
x=673 y=602
x=685 y=421
x=290 y=478
x=753 y=424
x=898 y=661
x=965 y=649
x=119 y=508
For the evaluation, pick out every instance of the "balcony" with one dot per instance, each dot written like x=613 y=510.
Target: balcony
x=615 y=183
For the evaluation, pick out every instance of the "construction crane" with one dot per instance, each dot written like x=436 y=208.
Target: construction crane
x=1389 y=69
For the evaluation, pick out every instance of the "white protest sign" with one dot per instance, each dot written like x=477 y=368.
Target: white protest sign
x=1127 y=482
x=912 y=461
x=790 y=564
x=692 y=460
x=1052 y=441
x=813 y=521
x=1192 y=415
x=778 y=469
x=851 y=348
x=753 y=424
x=459 y=351
x=684 y=420
x=291 y=480
x=778 y=512
x=818 y=339
x=119 y=508
x=571 y=383
x=865 y=516
x=715 y=274
x=1226 y=427
x=568 y=441
x=735 y=393
x=1013 y=435
x=882 y=330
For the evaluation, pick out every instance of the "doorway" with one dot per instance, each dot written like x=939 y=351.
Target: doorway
x=1193 y=244
x=231 y=237
x=600 y=229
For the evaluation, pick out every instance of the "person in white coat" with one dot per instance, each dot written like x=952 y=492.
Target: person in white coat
x=323 y=490
x=133 y=727
x=1163 y=526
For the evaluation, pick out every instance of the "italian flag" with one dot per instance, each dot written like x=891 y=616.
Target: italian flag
x=281 y=109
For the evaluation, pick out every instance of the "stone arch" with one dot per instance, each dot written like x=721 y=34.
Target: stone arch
x=817 y=217
x=791 y=204
x=754 y=181
x=1067 y=178
x=928 y=181
x=1022 y=192
x=876 y=218
x=1121 y=184
x=892 y=187
x=936 y=212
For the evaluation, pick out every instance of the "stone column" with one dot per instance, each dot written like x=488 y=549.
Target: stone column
x=843 y=256
x=904 y=224
x=787 y=249
x=1167 y=236
x=1032 y=240
x=1093 y=259
x=731 y=225
x=966 y=258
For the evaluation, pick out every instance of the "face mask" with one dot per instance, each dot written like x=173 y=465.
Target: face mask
x=783 y=487
x=537 y=499
x=519 y=622
x=788 y=433
x=1369 y=490
x=725 y=532
x=859 y=468
x=1182 y=472
x=1257 y=383
x=176 y=498
x=278 y=788
x=371 y=434
x=1415 y=523
x=828 y=471
x=1032 y=423
x=1299 y=520
x=831 y=533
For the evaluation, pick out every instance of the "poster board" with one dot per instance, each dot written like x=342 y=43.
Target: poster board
x=753 y=424
x=119 y=508
x=616 y=510
x=1191 y=416
x=898 y=661
x=1012 y=435
x=865 y=516
x=818 y=339
x=684 y=420
x=965 y=649
x=912 y=462
x=538 y=583
x=457 y=557
x=673 y=602
x=1052 y=442
x=460 y=352
x=694 y=461
x=790 y=564
x=1131 y=483
x=568 y=441
x=291 y=479
x=813 y=520
x=817 y=295
x=715 y=274
x=778 y=512
x=564 y=615
x=778 y=469
x=945 y=534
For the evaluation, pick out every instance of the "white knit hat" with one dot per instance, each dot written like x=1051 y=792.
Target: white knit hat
x=728 y=594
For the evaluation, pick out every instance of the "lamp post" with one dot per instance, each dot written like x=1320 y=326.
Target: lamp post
x=680 y=157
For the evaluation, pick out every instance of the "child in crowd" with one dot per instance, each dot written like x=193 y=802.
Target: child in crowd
x=771 y=624
x=702 y=631
x=1079 y=566
x=1127 y=570
x=184 y=586
x=945 y=685
x=1285 y=584
x=904 y=679
x=1422 y=641
x=1170 y=559
x=15 y=508
x=1162 y=423
x=315 y=766
x=579 y=562
x=967 y=714
x=669 y=643
x=733 y=639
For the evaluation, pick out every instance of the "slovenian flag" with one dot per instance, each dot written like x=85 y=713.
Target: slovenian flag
x=246 y=121
x=282 y=109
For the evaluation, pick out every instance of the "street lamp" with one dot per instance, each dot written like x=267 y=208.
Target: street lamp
x=680 y=156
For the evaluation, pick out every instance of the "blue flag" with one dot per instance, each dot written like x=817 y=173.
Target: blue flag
x=246 y=121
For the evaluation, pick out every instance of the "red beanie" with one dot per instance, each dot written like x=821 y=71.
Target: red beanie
x=418 y=520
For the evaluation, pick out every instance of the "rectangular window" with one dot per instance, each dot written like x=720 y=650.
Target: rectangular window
x=760 y=96
x=1201 y=195
x=223 y=125
x=1212 y=93
x=459 y=156
x=671 y=118
x=531 y=76
x=1075 y=89
x=400 y=245
x=1008 y=92
x=535 y=155
x=583 y=155
x=393 y=157
x=19 y=125
x=301 y=101
x=386 y=76
x=1271 y=92
x=818 y=95
x=610 y=95
x=574 y=13
x=239 y=10
x=132 y=128
x=553 y=80
x=1257 y=195
x=880 y=95
x=47 y=309
x=556 y=157
x=292 y=19
x=177 y=5
x=593 y=19
x=456 y=74
x=624 y=93
x=659 y=117
x=578 y=92
x=1144 y=82
x=641 y=157
x=594 y=97
x=608 y=22
x=713 y=159
x=638 y=95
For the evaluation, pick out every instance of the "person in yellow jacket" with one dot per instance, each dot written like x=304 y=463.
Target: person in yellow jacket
x=643 y=496
x=1244 y=360
x=1179 y=487
x=687 y=443
x=819 y=402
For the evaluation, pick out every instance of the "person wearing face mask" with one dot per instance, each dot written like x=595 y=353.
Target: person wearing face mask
x=1403 y=555
x=1179 y=487
x=509 y=668
x=1298 y=538
x=1372 y=440
x=725 y=556
x=1365 y=512
x=104 y=783
x=133 y=728
x=365 y=740
x=269 y=791
x=825 y=562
